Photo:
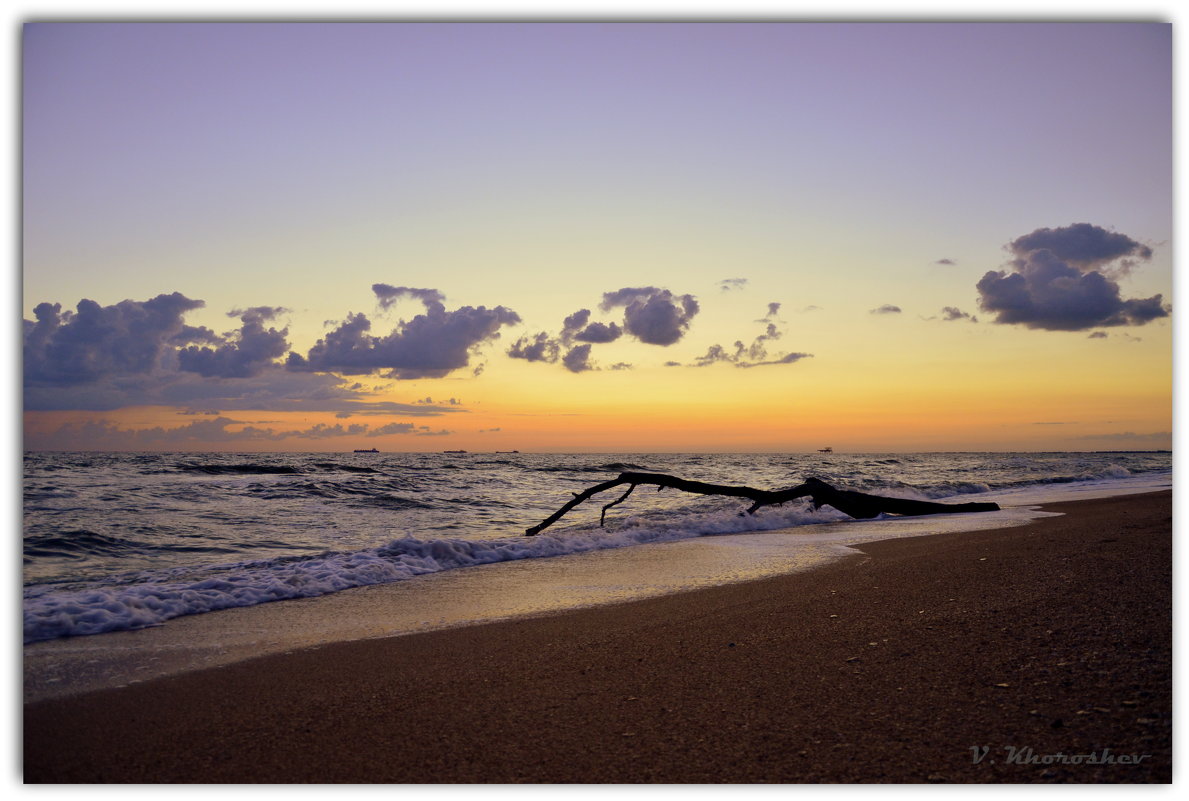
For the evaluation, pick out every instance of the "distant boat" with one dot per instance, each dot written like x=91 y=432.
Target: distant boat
x=453 y=451
x=366 y=450
x=507 y=451
x=825 y=450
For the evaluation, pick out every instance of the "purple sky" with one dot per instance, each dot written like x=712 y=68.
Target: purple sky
x=535 y=167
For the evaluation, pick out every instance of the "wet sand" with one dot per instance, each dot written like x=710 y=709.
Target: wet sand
x=899 y=664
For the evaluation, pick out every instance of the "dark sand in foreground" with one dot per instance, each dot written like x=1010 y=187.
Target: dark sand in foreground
x=886 y=667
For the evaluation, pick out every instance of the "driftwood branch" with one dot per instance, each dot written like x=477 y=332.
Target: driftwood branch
x=859 y=505
x=621 y=499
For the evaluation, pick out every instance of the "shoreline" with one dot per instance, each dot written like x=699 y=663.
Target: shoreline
x=481 y=594
x=737 y=683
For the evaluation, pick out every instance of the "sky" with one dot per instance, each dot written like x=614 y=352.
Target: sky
x=597 y=236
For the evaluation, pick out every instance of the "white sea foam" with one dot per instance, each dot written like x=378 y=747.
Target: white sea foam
x=49 y=613
x=80 y=605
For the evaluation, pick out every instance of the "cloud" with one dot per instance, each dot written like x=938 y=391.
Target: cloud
x=1083 y=245
x=1098 y=335
x=239 y=354
x=773 y=310
x=728 y=284
x=102 y=434
x=1067 y=282
x=1152 y=436
x=392 y=428
x=574 y=323
x=431 y=345
x=887 y=308
x=599 y=333
x=131 y=338
x=577 y=359
x=788 y=358
x=389 y=295
x=539 y=347
x=947 y=262
x=951 y=313
x=654 y=316
x=105 y=358
x=753 y=355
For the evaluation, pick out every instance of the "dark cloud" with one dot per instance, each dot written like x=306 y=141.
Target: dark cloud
x=240 y=354
x=717 y=353
x=653 y=315
x=392 y=428
x=140 y=353
x=887 y=308
x=599 y=333
x=430 y=401
x=788 y=358
x=1067 y=284
x=131 y=338
x=388 y=295
x=101 y=434
x=258 y=314
x=753 y=355
x=952 y=313
x=274 y=389
x=107 y=357
x=431 y=345
x=199 y=334
x=574 y=323
x=773 y=310
x=577 y=359
x=539 y=347
x=1082 y=245
x=283 y=391
x=323 y=431
x=727 y=284
x=947 y=262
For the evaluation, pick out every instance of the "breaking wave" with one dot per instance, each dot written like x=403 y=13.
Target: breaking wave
x=51 y=613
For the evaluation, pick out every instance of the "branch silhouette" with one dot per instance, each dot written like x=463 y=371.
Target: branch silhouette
x=859 y=505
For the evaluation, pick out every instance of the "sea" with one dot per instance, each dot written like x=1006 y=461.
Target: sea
x=126 y=541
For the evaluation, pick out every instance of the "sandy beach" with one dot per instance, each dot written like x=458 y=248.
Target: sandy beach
x=1025 y=654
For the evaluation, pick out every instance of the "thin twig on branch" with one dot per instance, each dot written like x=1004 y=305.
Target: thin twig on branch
x=856 y=504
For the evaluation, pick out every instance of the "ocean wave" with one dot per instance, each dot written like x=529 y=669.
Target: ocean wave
x=78 y=544
x=238 y=469
x=49 y=614
x=610 y=467
x=84 y=544
x=346 y=468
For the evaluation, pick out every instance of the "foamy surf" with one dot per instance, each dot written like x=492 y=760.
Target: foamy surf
x=117 y=542
x=152 y=599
